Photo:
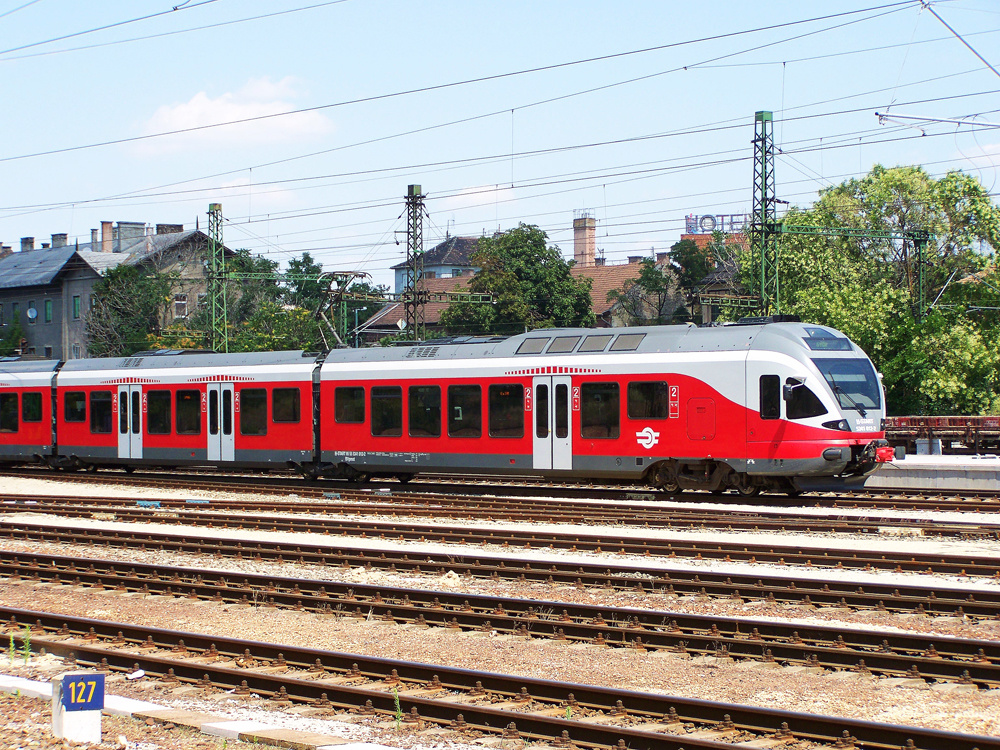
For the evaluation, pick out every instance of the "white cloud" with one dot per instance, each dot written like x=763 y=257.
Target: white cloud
x=258 y=97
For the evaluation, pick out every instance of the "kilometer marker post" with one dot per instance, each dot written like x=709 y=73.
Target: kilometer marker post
x=77 y=702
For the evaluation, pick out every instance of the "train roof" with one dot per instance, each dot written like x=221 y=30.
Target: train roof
x=17 y=366
x=179 y=359
x=788 y=337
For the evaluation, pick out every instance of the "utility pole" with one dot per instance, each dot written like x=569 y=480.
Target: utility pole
x=413 y=298
x=764 y=221
x=217 y=281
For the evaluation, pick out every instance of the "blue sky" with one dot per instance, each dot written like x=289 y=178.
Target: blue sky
x=641 y=140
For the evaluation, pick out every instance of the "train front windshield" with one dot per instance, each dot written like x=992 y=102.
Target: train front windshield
x=853 y=381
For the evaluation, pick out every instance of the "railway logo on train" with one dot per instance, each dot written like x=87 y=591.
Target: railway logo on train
x=765 y=404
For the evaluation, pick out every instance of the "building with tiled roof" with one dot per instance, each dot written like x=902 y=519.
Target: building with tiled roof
x=451 y=258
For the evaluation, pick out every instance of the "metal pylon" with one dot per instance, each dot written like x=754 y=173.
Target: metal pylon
x=764 y=229
x=414 y=298
x=218 y=315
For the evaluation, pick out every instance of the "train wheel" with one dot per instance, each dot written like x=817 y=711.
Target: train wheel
x=404 y=478
x=751 y=490
x=129 y=469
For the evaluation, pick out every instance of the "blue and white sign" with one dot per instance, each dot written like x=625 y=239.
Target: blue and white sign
x=83 y=692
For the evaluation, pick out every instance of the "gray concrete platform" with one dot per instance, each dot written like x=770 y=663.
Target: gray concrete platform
x=944 y=473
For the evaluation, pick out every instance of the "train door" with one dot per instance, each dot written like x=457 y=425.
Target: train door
x=130 y=409
x=221 y=445
x=553 y=439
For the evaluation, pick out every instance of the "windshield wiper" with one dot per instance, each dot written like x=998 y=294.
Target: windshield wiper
x=845 y=394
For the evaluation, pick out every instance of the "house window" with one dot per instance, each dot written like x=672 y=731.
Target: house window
x=180 y=305
x=48 y=311
x=15 y=312
x=202 y=301
x=430 y=274
x=456 y=272
x=76 y=307
x=48 y=352
x=77 y=351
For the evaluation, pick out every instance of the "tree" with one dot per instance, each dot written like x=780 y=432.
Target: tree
x=306 y=291
x=130 y=304
x=10 y=344
x=531 y=286
x=650 y=299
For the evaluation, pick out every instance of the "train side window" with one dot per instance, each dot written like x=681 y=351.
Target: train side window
x=31 y=407
x=541 y=411
x=349 y=405
x=387 y=411
x=100 y=412
x=425 y=411
x=253 y=411
x=227 y=412
x=158 y=412
x=213 y=412
x=188 y=416
x=465 y=411
x=8 y=412
x=595 y=343
x=647 y=400
x=599 y=410
x=532 y=346
x=75 y=406
x=563 y=344
x=506 y=402
x=286 y=405
x=770 y=397
x=802 y=402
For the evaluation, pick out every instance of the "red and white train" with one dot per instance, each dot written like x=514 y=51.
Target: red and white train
x=780 y=406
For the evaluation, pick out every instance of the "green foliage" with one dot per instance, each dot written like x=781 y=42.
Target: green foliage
x=691 y=264
x=652 y=298
x=273 y=327
x=11 y=342
x=305 y=292
x=530 y=283
x=131 y=302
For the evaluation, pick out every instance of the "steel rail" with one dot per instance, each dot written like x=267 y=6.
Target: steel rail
x=606 y=717
x=888 y=653
x=662 y=579
x=478 y=509
x=214 y=480
x=961 y=565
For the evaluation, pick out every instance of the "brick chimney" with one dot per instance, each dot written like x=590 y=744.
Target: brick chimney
x=661 y=257
x=584 y=238
x=27 y=243
x=107 y=237
x=169 y=228
x=60 y=240
x=5 y=250
x=93 y=240
x=635 y=259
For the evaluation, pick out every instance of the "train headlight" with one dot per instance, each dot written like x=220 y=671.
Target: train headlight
x=838 y=425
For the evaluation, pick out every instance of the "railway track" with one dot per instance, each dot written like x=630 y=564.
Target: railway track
x=886 y=653
x=661 y=578
x=467 y=702
x=785 y=555
x=479 y=509
x=286 y=483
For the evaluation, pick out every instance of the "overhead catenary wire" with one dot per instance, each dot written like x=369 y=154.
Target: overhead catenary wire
x=895 y=7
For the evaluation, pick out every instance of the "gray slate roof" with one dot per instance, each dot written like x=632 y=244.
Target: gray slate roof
x=40 y=267
x=34 y=267
x=455 y=251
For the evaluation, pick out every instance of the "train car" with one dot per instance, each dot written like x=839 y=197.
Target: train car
x=173 y=408
x=26 y=434
x=762 y=405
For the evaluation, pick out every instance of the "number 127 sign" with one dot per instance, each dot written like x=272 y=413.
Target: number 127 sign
x=83 y=692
